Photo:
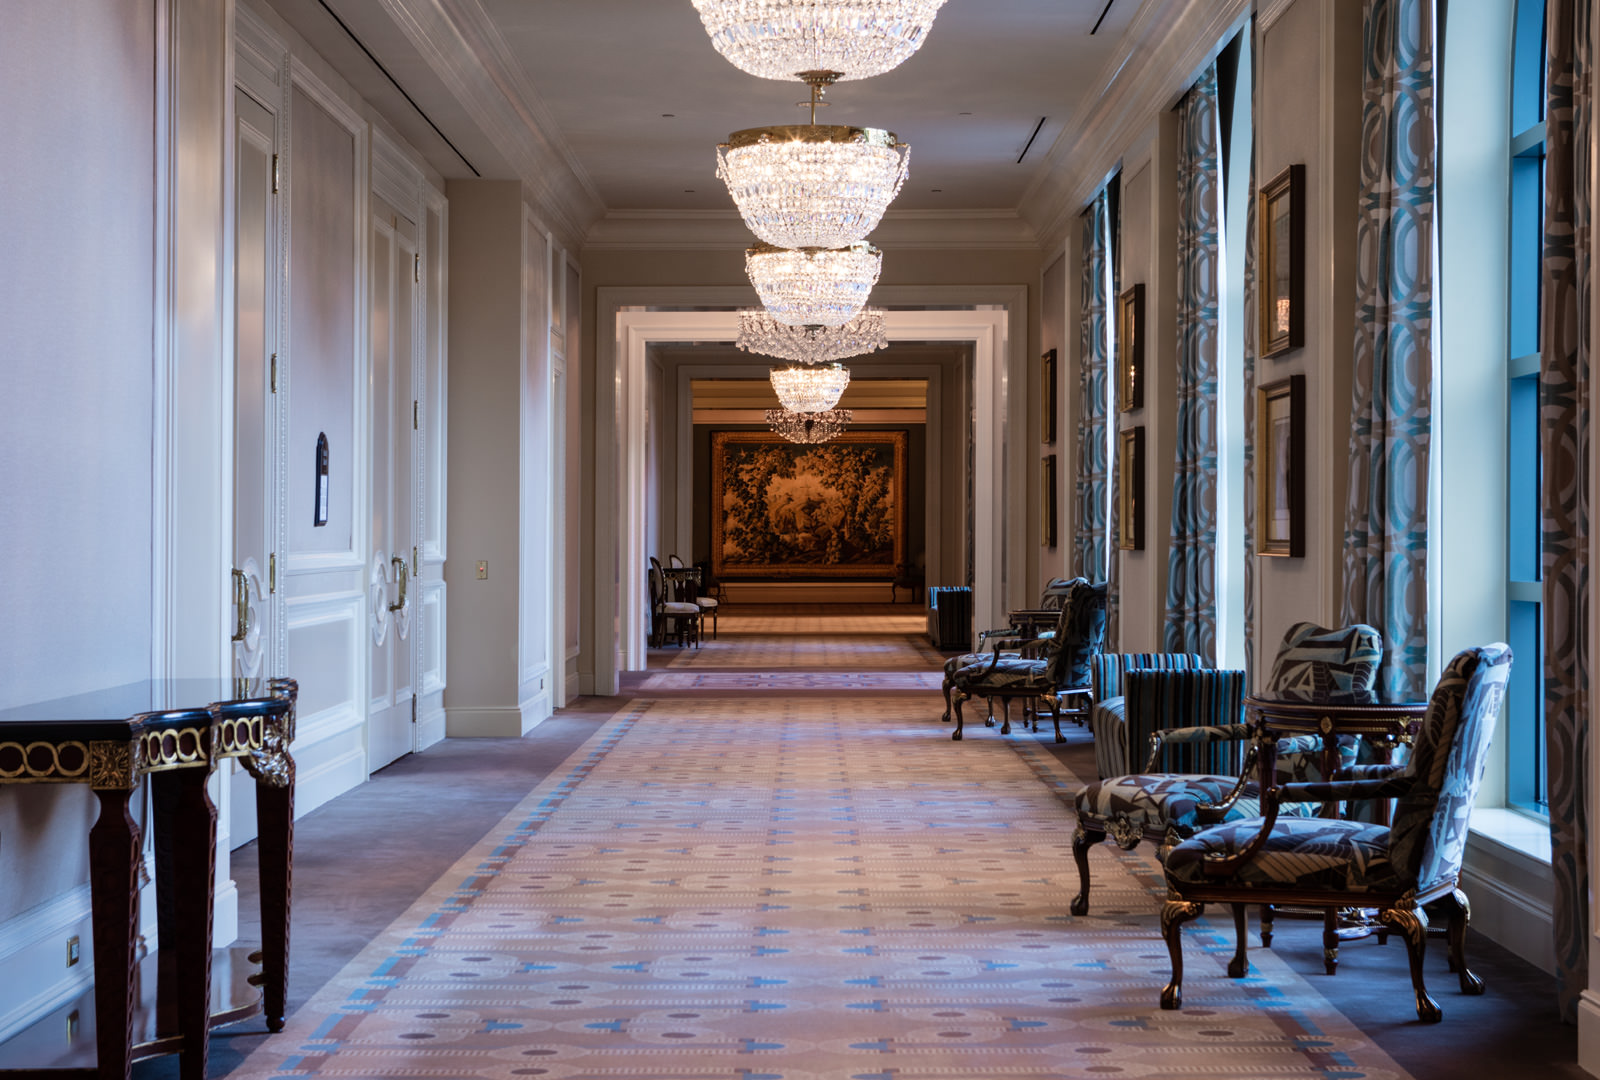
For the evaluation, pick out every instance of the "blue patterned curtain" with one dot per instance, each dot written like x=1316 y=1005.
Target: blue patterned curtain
x=1251 y=299
x=1191 y=623
x=1564 y=329
x=1386 y=517
x=1089 y=537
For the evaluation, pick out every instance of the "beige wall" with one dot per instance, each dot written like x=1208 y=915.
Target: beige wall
x=486 y=229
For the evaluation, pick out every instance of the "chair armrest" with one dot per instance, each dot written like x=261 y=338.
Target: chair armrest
x=1213 y=813
x=1203 y=733
x=1342 y=790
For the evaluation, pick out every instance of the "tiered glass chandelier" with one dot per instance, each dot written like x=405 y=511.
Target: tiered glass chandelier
x=813 y=286
x=812 y=185
x=760 y=333
x=817 y=427
x=810 y=389
x=782 y=39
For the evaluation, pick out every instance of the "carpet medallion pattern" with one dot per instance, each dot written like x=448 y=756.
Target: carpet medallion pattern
x=772 y=888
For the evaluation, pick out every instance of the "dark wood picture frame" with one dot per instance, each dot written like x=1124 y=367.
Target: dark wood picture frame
x=1281 y=472
x=1047 y=501
x=1130 y=349
x=1130 y=489
x=1281 y=257
x=1047 y=398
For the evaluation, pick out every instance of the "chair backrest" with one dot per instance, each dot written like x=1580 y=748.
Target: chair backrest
x=1080 y=635
x=1055 y=593
x=1429 y=834
x=1108 y=669
x=1158 y=700
x=1327 y=666
x=673 y=561
x=658 y=586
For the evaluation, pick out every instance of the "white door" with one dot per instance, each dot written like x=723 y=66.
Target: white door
x=391 y=712
x=255 y=417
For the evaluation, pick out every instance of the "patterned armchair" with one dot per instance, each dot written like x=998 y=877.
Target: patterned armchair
x=1061 y=669
x=1332 y=863
x=1022 y=625
x=1166 y=807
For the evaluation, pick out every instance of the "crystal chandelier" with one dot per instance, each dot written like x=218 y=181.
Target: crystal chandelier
x=817 y=427
x=785 y=39
x=760 y=333
x=812 y=185
x=810 y=389
x=813 y=286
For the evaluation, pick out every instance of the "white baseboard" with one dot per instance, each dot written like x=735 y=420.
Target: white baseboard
x=535 y=709
x=327 y=779
x=498 y=722
x=33 y=955
x=1511 y=895
x=1589 y=1033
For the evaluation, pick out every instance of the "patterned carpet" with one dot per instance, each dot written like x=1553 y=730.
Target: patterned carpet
x=805 y=624
x=783 y=888
x=841 y=681
x=854 y=651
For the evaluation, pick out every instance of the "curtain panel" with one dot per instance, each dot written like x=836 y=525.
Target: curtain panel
x=1564 y=329
x=1250 y=336
x=1090 y=522
x=1386 y=516
x=1191 y=617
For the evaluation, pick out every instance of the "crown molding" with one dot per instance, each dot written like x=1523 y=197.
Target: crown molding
x=1167 y=42
x=460 y=42
x=724 y=230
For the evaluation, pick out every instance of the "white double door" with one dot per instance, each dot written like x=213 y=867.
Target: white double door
x=394 y=419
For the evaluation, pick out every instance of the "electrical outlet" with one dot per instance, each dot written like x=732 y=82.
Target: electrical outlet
x=483 y=571
x=74 y=950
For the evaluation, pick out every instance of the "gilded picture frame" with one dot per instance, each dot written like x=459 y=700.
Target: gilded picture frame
x=1281 y=262
x=1130 y=349
x=1130 y=489
x=1047 y=398
x=1047 y=501
x=1280 y=475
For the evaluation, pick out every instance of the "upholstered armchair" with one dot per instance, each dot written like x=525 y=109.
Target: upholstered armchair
x=1061 y=670
x=1114 y=755
x=1332 y=863
x=1027 y=624
x=1193 y=776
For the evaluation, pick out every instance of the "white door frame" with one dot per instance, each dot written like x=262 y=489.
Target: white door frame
x=981 y=316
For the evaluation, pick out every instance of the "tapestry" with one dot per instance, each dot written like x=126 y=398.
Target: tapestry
x=790 y=510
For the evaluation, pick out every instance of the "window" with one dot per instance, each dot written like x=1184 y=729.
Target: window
x=1525 y=764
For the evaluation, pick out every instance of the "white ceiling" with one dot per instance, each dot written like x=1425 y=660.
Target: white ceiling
x=602 y=73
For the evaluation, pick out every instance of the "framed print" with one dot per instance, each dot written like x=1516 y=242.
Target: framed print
x=1047 y=501
x=793 y=510
x=1130 y=489
x=1281 y=472
x=1282 y=259
x=1130 y=349
x=1047 y=397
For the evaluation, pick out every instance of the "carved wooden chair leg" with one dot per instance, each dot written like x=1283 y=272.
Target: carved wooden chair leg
x=959 y=697
x=1268 y=913
x=1410 y=926
x=1174 y=913
x=1330 y=940
x=1239 y=966
x=1005 y=711
x=946 y=716
x=1083 y=838
x=1460 y=915
x=1055 y=716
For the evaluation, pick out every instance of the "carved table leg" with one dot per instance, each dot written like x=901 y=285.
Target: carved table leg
x=114 y=843
x=275 y=849
x=190 y=818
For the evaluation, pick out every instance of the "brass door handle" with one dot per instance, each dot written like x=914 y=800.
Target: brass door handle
x=402 y=575
x=241 y=605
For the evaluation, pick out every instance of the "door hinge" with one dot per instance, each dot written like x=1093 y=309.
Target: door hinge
x=272 y=572
x=416 y=267
x=413 y=708
x=274 y=174
x=416 y=409
x=416 y=568
x=274 y=373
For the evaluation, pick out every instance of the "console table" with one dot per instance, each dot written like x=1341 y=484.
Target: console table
x=173 y=733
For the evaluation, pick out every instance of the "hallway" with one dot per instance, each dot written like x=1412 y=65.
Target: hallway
x=827 y=887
